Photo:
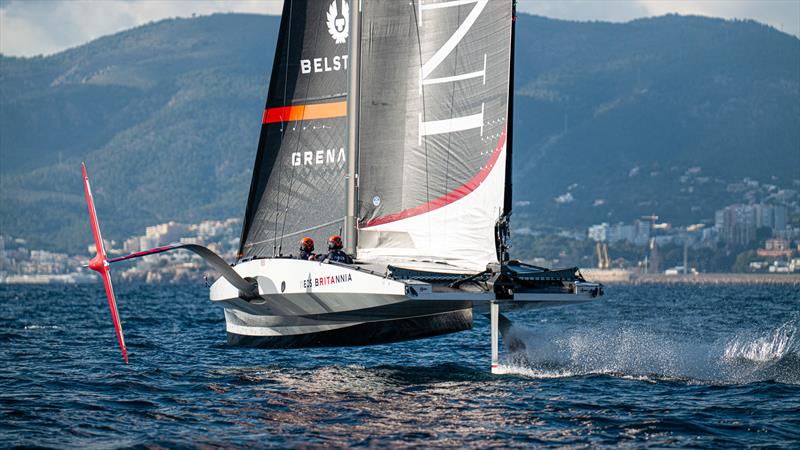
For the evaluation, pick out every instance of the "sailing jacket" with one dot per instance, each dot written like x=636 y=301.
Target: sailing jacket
x=338 y=256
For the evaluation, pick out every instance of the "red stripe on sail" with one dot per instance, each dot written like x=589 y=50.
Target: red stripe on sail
x=448 y=198
x=305 y=112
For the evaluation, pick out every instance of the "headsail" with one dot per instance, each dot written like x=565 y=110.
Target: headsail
x=434 y=108
x=298 y=180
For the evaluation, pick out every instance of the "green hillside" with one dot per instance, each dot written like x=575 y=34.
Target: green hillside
x=167 y=117
x=616 y=114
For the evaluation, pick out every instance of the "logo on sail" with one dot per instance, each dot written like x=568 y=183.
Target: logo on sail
x=319 y=157
x=338 y=21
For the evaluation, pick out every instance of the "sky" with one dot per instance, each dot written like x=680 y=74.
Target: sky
x=32 y=27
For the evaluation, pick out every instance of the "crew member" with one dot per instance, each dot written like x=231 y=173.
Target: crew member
x=307 y=249
x=335 y=252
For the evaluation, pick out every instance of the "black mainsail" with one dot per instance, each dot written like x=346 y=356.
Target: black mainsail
x=434 y=97
x=297 y=187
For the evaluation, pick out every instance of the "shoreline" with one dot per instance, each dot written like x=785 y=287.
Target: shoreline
x=625 y=277
x=613 y=276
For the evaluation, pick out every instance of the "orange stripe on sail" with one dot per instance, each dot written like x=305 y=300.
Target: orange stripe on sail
x=305 y=112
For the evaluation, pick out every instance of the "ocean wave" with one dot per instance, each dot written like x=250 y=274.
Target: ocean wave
x=642 y=354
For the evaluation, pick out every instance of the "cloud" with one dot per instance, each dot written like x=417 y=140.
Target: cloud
x=43 y=27
x=781 y=14
x=47 y=26
x=614 y=11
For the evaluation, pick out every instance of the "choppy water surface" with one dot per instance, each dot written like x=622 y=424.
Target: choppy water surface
x=714 y=366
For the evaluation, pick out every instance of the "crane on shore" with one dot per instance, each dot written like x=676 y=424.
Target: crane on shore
x=603 y=261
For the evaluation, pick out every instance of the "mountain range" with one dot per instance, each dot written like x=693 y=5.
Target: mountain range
x=612 y=121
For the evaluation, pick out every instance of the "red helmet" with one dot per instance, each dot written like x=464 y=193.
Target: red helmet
x=307 y=245
x=335 y=243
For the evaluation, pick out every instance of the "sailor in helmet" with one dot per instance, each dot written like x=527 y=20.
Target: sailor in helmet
x=335 y=252
x=307 y=249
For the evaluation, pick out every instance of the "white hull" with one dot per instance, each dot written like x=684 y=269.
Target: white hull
x=307 y=303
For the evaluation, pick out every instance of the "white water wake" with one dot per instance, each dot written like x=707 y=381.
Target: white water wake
x=763 y=349
x=637 y=352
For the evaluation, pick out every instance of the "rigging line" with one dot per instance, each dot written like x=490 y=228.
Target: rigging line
x=422 y=94
x=297 y=147
x=278 y=197
x=283 y=125
x=288 y=198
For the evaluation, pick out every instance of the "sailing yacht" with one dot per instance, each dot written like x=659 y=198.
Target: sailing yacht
x=388 y=122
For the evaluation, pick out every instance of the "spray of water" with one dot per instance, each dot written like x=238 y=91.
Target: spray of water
x=763 y=349
x=742 y=357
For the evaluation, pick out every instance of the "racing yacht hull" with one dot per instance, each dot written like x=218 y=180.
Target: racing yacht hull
x=242 y=330
x=312 y=304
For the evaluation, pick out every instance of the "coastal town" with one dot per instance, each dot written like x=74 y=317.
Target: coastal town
x=760 y=235
x=18 y=264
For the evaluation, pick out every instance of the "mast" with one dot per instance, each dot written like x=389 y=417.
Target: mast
x=503 y=227
x=350 y=233
x=507 y=201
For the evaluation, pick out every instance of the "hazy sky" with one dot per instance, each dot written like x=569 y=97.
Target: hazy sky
x=31 y=27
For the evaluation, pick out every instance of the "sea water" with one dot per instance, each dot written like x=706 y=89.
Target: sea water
x=644 y=366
